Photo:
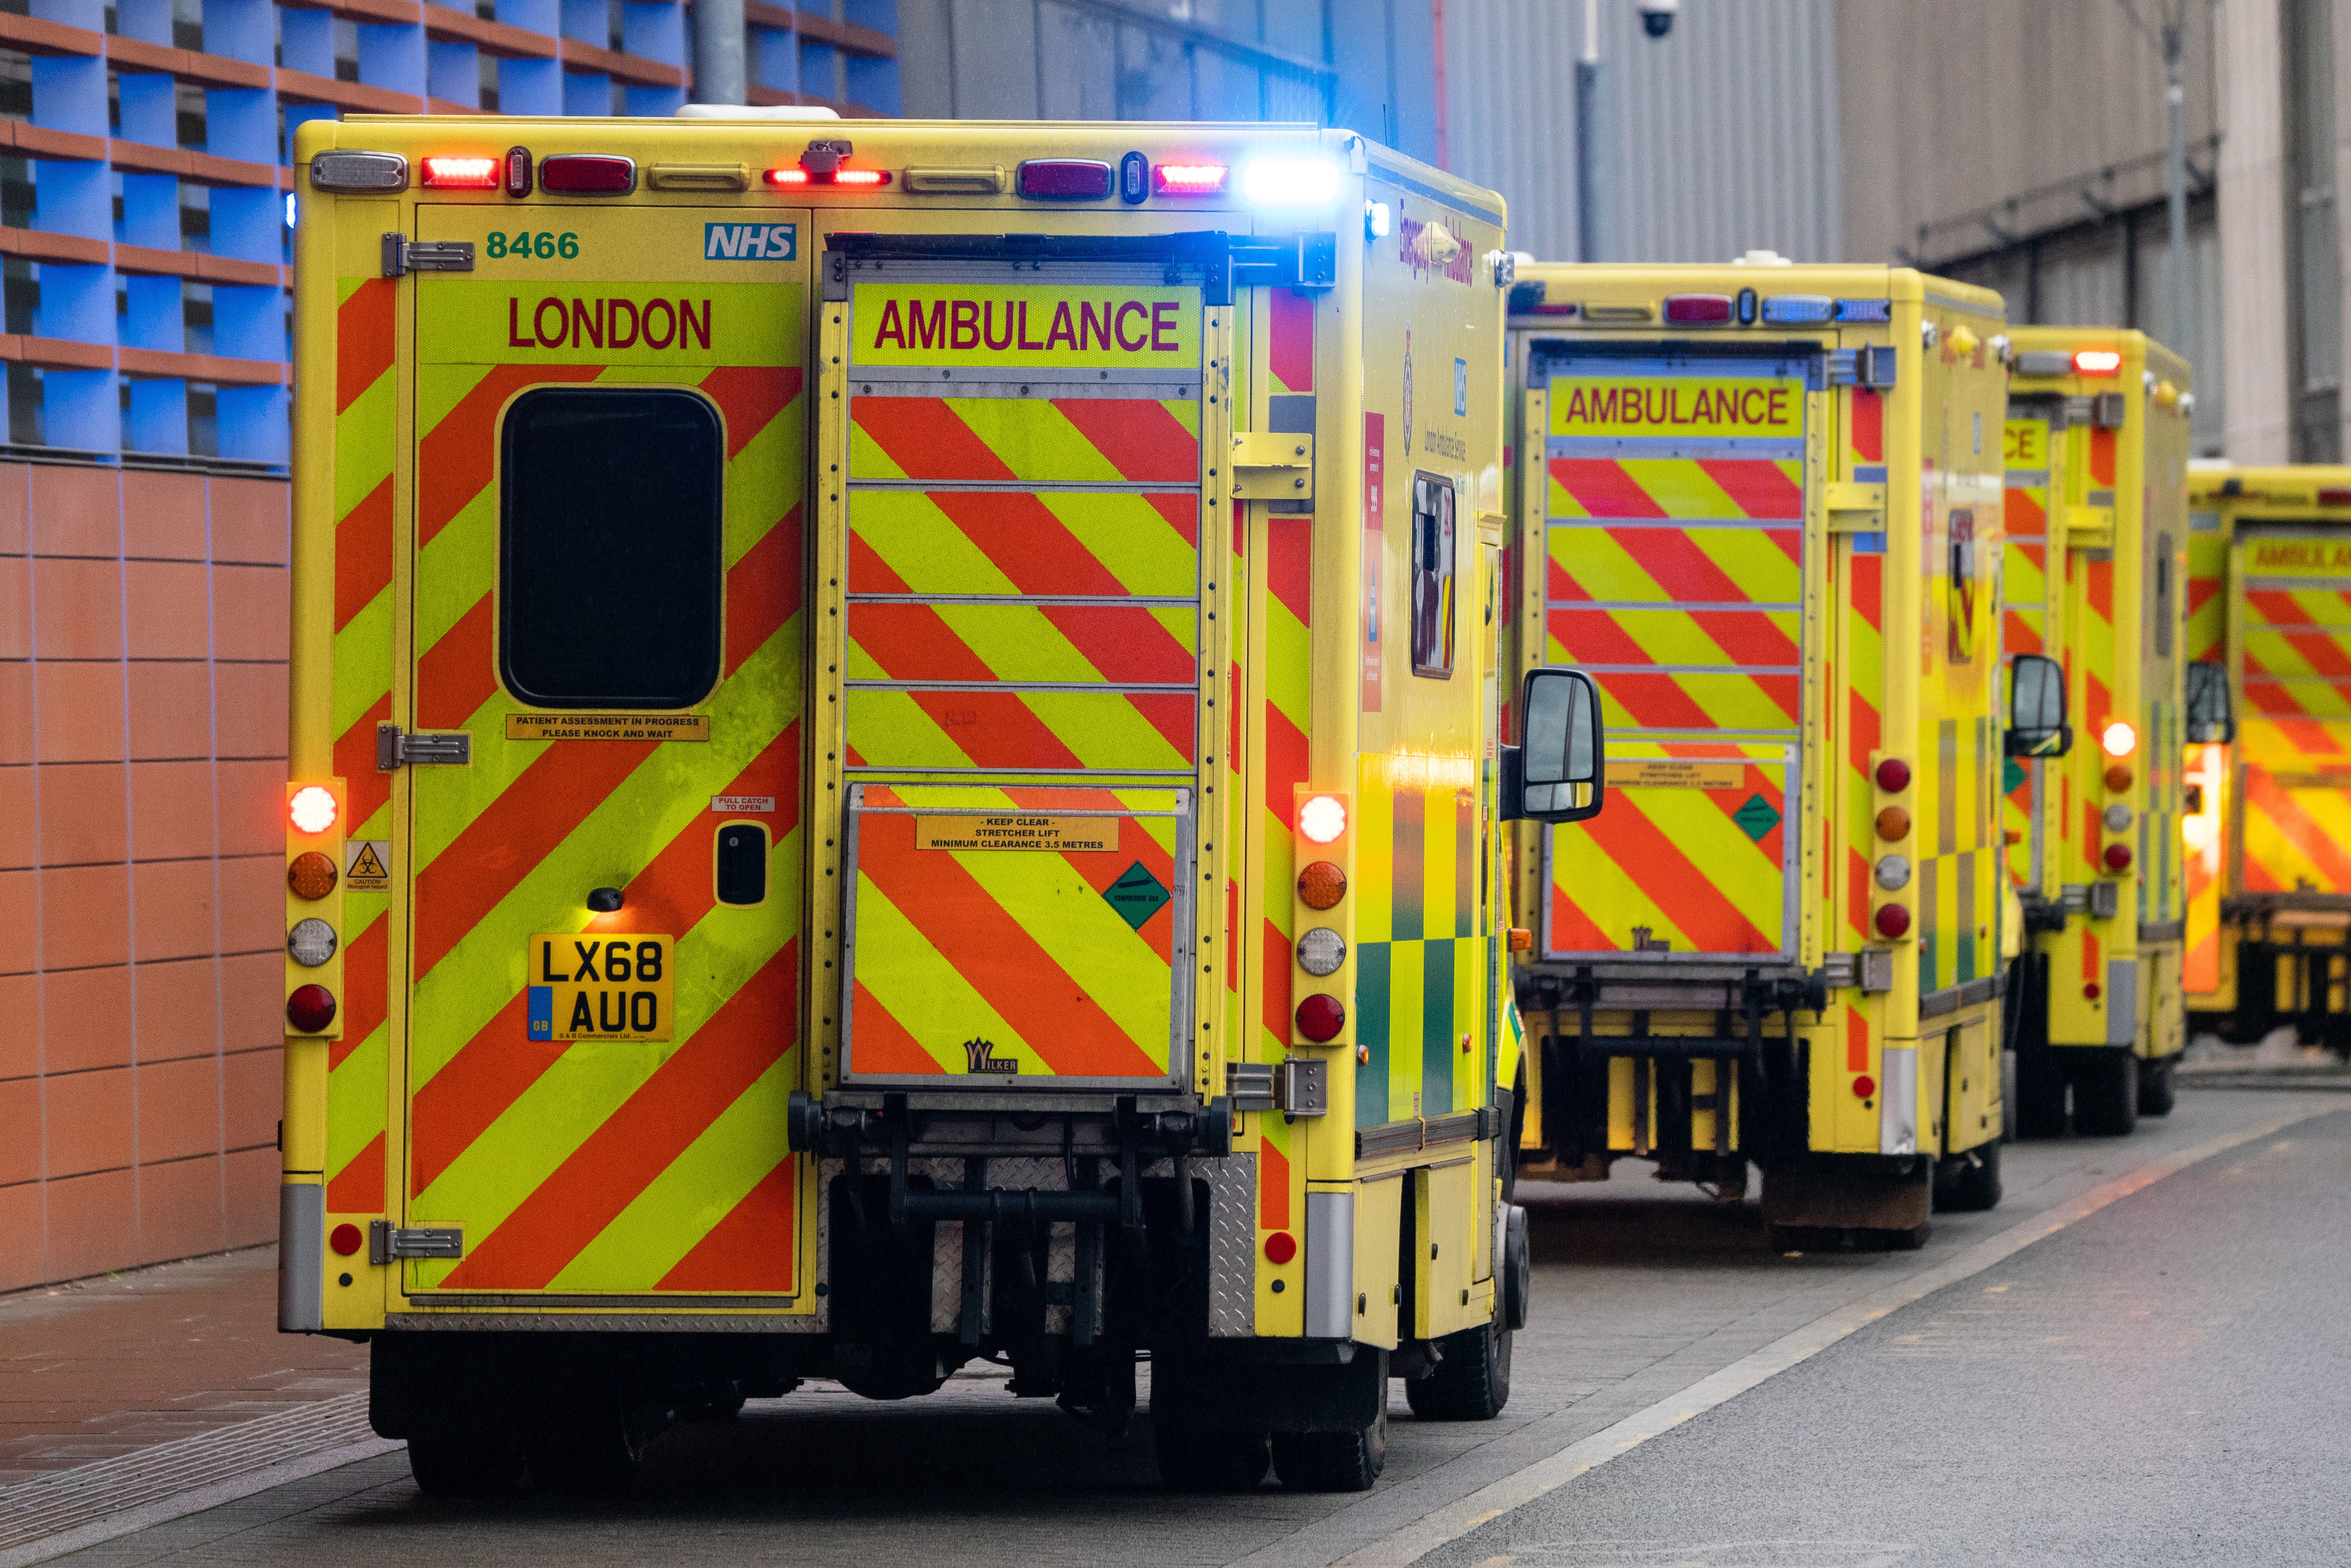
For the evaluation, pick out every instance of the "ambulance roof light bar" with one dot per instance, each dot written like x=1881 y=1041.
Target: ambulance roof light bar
x=1188 y=179
x=1698 y=310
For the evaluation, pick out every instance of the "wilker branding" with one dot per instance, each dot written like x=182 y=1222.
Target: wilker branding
x=981 y=1056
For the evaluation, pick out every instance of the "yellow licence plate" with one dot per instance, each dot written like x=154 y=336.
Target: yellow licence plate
x=594 y=985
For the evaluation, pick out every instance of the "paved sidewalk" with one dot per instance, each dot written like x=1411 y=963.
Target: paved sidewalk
x=108 y=1366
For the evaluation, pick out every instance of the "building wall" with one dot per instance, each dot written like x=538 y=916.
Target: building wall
x=142 y=745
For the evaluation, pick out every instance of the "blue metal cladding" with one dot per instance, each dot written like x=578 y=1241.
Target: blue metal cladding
x=146 y=288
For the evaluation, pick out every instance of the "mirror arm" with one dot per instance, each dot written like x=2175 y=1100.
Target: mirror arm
x=1512 y=781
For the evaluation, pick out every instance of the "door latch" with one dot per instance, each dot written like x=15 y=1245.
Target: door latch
x=449 y=749
x=402 y=255
x=387 y=1241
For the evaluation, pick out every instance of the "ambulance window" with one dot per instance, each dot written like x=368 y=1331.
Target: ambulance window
x=1432 y=576
x=612 y=548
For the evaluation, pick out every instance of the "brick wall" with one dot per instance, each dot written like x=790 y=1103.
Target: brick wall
x=143 y=743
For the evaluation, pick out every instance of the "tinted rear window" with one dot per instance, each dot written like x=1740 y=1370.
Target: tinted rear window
x=612 y=548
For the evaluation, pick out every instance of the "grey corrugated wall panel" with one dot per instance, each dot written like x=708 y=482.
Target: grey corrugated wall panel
x=1723 y=133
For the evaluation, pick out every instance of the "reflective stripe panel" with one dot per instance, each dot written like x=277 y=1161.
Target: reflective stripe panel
x=1680 y=868
x=1008 y=964
x=366 y=395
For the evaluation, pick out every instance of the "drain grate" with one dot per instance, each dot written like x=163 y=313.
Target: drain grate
x=54 y=1504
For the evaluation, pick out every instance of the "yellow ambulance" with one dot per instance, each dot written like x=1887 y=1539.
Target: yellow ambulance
x=2095 y=582
x=1760 y=504
x=2269 y=753
x=895 y=762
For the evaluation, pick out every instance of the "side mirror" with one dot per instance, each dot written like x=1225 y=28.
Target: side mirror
x=1557 y=776
x=2036 y=709
x=2211 y=713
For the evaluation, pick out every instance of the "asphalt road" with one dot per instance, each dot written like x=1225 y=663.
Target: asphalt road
x=2159 y=1382
x=2168 y=1381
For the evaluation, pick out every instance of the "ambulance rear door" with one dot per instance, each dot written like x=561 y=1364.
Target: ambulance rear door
x=1675 y=525
x=607 y=562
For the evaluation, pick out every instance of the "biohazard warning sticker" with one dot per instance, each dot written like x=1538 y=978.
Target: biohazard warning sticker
x=1016 y=832
x=367 y=865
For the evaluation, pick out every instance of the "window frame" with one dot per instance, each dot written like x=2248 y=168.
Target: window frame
x=1443 y=575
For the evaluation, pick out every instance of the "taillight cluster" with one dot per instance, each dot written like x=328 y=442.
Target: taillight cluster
x=314 y=906
x=2117 y=740
x=1325 y=851
x=1891 y=779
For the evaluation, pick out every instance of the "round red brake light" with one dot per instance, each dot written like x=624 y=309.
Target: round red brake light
x=311 y=1009
x=1320 y=1017
x=1893 y=920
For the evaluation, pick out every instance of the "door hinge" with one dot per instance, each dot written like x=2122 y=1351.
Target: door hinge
x=402 y=255
x=387 y=1241
x=448 y=748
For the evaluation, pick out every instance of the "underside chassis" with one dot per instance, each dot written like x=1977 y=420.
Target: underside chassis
x=2293 y=970
x=1762 y=1066
x=1067 y=1248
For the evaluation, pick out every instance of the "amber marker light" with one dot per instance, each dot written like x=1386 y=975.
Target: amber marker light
x=312 y=809
x=311 y=874
x=1321 y=885
x=1892 y=822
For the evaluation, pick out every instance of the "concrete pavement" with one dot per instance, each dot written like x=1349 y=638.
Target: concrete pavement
x=1643 y=1291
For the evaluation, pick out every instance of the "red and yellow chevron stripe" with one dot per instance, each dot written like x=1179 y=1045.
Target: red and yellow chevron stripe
x=366 y=395
x=1698 y=864
x=595 y=1166
x=1090 y=662
x=1676 y=582
x=1864 y=595
x=1028 y=963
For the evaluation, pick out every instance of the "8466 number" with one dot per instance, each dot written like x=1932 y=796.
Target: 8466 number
x=522 y=243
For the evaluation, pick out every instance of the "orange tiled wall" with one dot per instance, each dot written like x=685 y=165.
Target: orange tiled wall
x=142 y=744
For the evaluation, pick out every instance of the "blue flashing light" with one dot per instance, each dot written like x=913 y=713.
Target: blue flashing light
x=1797 y=309
x=1864 y=310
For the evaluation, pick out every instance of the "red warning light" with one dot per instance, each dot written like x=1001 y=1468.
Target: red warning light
x=461 y=173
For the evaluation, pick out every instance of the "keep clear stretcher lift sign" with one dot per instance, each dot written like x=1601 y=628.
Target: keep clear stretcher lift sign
x=1025 y=325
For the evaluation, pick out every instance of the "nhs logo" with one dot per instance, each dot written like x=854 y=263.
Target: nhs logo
x=750 y=242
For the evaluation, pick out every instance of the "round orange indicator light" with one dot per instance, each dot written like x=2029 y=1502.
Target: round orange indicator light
x=1280 y=1246
x=346 y=1239
x=1321 y=885
x=1320 y=1017
x=1892 y=822
x=311 y=874
x=1323 y=819
x=312 y=809
x=311 y=1009
x=2118 y=778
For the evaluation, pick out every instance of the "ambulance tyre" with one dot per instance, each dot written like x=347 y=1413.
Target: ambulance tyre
x=464 y=1464
x=1965 y=1186
x=2158 y=1084
x=2106 y=1093
x=1472 y=1382
x=1332 y=1461
x=1210 y=1460
x=585 y=1444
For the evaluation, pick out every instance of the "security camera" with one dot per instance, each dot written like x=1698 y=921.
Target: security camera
x=1657 y=16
